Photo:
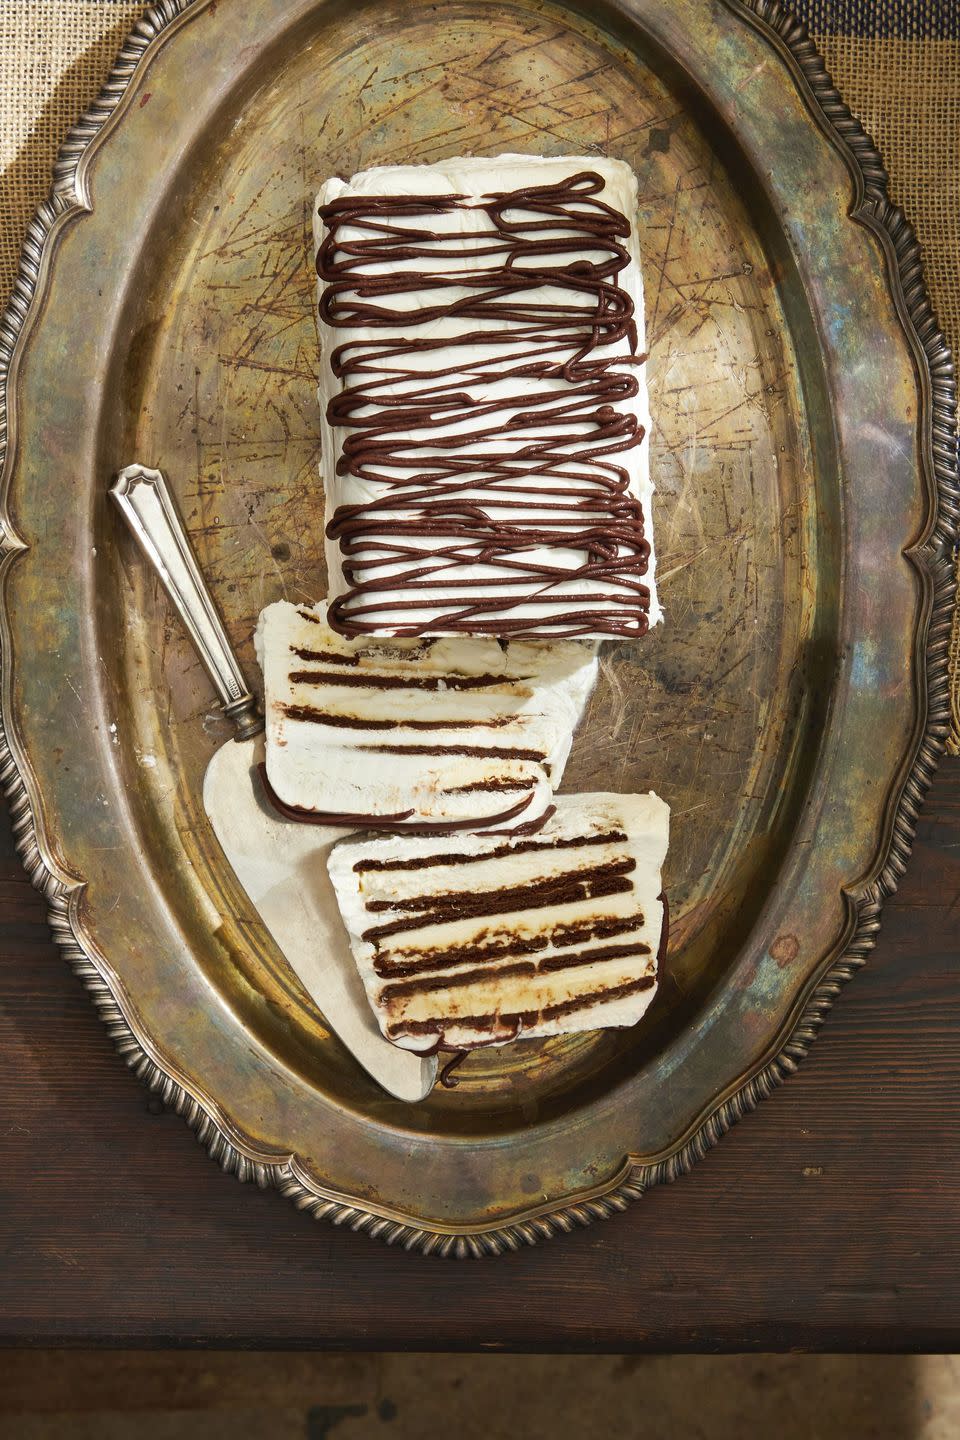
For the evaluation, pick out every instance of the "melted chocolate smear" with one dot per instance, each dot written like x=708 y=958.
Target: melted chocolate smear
x=447 y=1079
x=547 y=445
x=381 y=822
x=665 y=932
x=324 y=817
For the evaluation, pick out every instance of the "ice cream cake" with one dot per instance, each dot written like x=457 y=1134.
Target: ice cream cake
x=473 y=940
x=484 y=402
x=463 y=732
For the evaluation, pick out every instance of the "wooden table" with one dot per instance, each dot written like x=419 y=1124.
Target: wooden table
x=828 y=1220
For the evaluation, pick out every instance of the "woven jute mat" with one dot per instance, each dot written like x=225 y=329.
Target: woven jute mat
x=896 y=62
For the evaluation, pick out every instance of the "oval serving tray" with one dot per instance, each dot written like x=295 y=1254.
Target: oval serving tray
x=791 y=709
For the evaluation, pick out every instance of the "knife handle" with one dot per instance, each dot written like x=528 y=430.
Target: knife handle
x=151 y=512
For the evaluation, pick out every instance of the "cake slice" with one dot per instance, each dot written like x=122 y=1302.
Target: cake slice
x=425 y=734
x=473 y=940
x=484 y=401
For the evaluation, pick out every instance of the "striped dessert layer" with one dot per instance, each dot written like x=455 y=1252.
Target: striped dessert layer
x=453 y=733
x=468 y=940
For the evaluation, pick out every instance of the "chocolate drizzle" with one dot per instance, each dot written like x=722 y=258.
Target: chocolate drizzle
x=529 y=827
x=447 y=1079
x=488 y=473
x=664 y=930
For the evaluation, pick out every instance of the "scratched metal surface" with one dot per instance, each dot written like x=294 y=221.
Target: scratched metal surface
x=696 y=711
x=200 y=357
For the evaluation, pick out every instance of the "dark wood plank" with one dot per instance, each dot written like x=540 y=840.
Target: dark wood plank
x=828 y=1220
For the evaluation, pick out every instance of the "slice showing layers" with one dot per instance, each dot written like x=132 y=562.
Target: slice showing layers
x=483 y=399
x=424 y=734
x=475 y=940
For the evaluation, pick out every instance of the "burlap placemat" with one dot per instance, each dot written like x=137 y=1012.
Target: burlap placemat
x=897 y=63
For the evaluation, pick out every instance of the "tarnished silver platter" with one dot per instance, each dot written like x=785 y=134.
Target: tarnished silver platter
x=791 y=709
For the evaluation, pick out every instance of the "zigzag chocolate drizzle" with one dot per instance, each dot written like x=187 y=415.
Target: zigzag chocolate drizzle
x=465 y=528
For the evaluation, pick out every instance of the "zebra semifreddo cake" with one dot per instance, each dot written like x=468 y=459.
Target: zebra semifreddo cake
x=471 y=940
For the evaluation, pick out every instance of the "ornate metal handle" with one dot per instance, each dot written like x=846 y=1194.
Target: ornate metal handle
x=151 y=512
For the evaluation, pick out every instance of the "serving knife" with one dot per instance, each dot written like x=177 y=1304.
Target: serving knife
x=281 y=864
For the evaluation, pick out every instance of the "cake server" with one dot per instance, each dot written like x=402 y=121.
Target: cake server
x=281 y=864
